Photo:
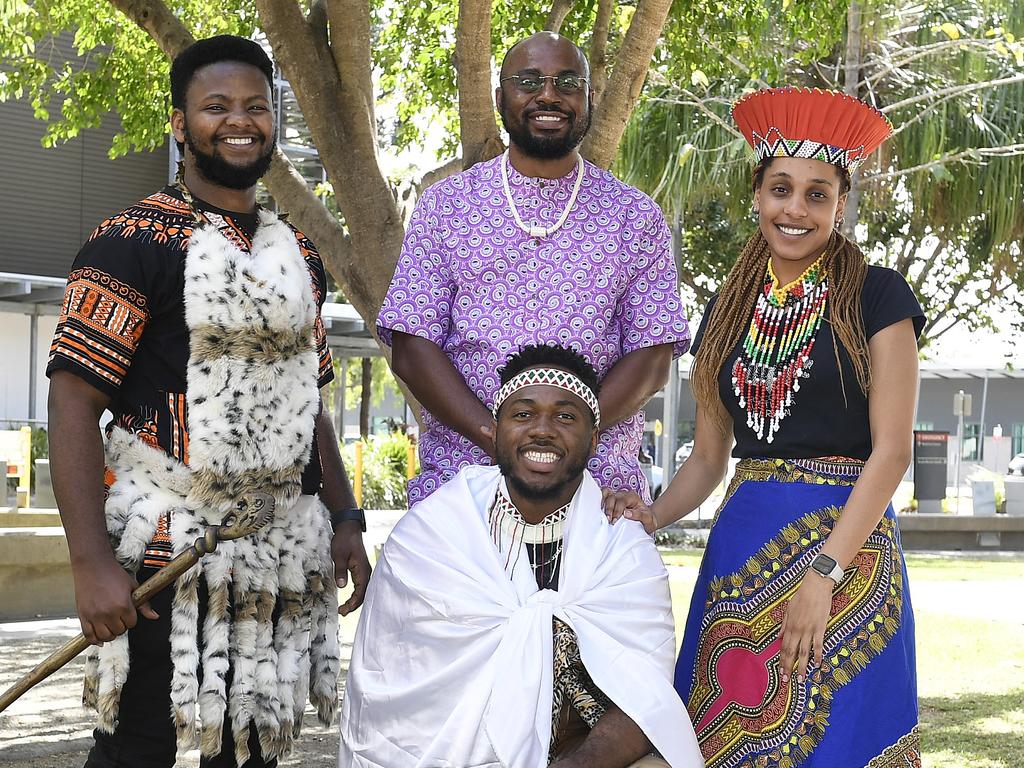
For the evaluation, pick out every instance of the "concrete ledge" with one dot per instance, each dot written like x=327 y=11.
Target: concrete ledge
x=35 y=574
x=28 y=518
x=959 y=532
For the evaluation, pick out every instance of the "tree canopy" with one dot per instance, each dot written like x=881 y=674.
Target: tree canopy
x=371 y=75
x=942 y=202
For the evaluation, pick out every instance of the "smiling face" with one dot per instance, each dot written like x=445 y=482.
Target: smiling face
x=227 y=125
x=547 y=124
x=543 y=439
x=798 y=203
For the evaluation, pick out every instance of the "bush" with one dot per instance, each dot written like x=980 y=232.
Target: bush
x=384 y=470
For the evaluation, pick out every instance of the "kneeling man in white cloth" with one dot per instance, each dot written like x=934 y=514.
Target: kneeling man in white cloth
x=507 y=623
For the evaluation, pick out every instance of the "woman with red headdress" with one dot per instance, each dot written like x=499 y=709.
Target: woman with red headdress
x=799 y=646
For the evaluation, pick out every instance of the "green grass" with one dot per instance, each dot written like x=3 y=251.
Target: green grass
x=970 y=653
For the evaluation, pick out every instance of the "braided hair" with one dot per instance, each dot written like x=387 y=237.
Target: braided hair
x=846 y=267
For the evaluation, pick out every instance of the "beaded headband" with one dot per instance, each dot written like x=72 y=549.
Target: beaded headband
x=552 y=377
x=810 y=123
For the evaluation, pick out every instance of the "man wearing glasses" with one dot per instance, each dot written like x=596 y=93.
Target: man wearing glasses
x=537 y=246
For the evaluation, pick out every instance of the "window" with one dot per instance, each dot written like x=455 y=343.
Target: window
x=972 y=440
x=1018 y=439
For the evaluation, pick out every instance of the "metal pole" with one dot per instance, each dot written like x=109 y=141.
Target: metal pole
x=959 y=444
x=981 y=427
x=671 y=419
x=33 y=374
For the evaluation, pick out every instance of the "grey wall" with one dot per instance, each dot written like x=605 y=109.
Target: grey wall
x=51 y=199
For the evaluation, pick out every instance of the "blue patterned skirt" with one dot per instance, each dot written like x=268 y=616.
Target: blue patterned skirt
x=860 y=707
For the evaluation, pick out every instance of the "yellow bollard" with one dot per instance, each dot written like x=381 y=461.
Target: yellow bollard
x=410 y=462
x=357 y=480
x=25 y=481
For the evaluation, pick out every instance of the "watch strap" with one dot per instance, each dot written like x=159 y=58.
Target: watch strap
x=827 y=568
x=352 y=514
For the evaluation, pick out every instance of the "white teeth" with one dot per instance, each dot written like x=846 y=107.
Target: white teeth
x=548 y=118
x=542 y=458
x=793 y=230
x=238 y=141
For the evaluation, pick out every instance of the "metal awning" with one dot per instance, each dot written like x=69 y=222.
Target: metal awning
x=30 y=294
x=953 y=373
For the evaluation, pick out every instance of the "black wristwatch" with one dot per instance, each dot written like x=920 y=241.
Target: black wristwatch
x=827 y=567
x=345 y=515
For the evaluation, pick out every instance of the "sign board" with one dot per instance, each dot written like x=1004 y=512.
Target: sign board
x=961 y=404
x=930 y=459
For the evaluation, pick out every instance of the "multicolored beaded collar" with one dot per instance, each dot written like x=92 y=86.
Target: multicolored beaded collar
x=775 y=353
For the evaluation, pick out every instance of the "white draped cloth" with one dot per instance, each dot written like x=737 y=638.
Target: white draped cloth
x=452 y=660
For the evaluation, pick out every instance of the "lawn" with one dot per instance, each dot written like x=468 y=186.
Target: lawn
x=969 y=615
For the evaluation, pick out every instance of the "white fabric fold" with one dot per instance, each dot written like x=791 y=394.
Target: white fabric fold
x=452 y=660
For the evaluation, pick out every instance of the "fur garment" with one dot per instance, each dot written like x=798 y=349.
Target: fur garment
x=271 y=610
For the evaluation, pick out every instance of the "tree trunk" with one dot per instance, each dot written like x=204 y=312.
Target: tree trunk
x=628 y=75
x=599 y=48
x=365 y=388
x=851 y=80
x=478 y=130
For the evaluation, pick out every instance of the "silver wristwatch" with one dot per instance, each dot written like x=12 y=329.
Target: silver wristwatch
x=826 y=567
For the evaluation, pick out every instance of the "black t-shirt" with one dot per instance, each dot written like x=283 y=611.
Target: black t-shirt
x=821 y=422
x=122 y=324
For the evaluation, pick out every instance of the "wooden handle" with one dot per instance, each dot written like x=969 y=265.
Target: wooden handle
x=72 y=648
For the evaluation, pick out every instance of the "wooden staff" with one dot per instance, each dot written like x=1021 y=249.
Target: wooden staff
x=250 y=515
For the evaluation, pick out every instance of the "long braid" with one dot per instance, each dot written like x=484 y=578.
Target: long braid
x=846 y=268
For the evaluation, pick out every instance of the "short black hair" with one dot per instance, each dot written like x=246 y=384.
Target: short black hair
x=555 y=356
x=214 y=50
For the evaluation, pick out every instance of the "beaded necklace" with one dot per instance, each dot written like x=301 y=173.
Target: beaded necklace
x=776 y=351
x=510 y=531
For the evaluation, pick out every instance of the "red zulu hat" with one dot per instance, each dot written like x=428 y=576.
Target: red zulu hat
x=812 y=123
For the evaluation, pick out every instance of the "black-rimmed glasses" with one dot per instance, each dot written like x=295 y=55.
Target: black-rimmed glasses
x=567 y=84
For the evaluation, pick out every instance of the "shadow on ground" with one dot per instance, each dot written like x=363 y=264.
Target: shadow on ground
x=973 y=730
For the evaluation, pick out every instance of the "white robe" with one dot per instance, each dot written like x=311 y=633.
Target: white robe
x=452 y=660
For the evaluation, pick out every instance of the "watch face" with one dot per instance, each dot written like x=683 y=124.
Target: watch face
x=823 y=564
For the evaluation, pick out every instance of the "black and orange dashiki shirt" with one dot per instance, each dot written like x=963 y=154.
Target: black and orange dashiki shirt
x=122 y=323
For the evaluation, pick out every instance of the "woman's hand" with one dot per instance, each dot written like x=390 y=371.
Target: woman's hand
x=803 y=627
x=628 y=504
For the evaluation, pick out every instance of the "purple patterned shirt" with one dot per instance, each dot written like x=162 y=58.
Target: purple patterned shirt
x=479 y=287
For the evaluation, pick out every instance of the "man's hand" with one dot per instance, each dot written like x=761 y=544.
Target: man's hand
x=349 y=557
x=103 y=598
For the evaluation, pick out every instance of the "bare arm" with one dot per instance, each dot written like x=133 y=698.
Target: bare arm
x=435 y=382
x=632 y=381
x=614 y=742
x=692 y=484
x=103 y=588
x=892 y=403
x=347 y=549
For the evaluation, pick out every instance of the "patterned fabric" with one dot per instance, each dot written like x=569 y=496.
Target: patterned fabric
x=552 y=377
x=475 y=284
x=771 y=525
x=572 y=684
x=122 y=326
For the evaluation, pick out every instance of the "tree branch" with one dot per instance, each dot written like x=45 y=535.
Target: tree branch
x=599 y=47
x=556 y=16
x=955 y=90
x=351 y=51
x=478 y=129
x=449 y=168
x=928 y=266
x=159 y=22
x=626 y=82
x=964 y=156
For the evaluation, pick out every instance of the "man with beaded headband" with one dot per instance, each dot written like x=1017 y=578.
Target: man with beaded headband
x=193 y=317
x=799 y=646
x=535 y=246
x=507 y=624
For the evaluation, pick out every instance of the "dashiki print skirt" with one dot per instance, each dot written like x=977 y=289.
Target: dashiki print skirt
x=860 y=707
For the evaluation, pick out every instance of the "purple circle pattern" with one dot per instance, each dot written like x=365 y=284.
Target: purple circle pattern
x=479 y=287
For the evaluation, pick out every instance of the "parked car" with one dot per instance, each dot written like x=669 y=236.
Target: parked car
x=1016 y=466
x=684 y=452
x=653 y=473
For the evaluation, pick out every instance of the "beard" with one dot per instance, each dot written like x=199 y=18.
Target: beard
x=545 y=147
x=217 y=170
x=551 y=489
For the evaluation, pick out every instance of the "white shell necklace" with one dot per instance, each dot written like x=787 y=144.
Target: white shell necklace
x=540 y=231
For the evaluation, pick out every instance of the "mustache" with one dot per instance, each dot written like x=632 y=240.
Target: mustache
x=557 y=110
